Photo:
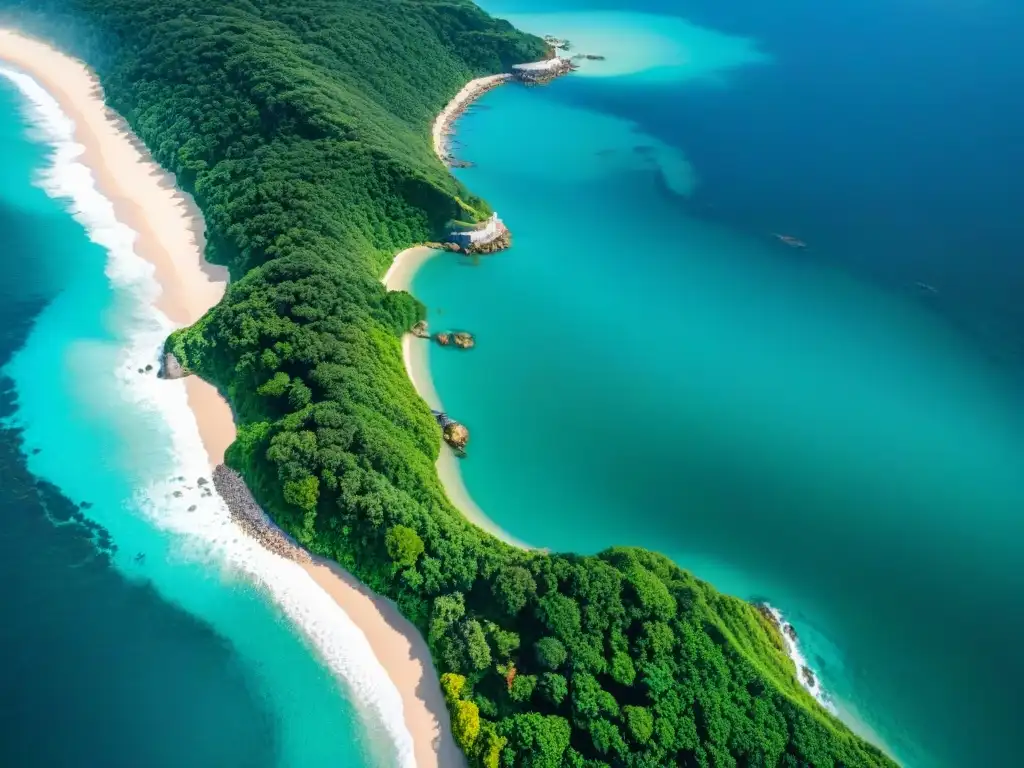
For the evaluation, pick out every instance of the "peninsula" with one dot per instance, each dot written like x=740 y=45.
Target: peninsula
x=301 y=130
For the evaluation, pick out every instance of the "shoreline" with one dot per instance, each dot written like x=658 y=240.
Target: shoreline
x=171 y=240
x=169 y=231
x=453 y=110
x=415 y=355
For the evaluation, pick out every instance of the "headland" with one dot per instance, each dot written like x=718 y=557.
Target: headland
x=169 y=229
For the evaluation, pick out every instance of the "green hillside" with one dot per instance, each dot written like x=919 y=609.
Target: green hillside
x=302 y=128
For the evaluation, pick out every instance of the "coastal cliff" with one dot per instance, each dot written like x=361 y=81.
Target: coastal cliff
x=311 y=170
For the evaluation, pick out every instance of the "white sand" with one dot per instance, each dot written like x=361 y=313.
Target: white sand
x=415 y=354
x=170 y=236
x=444 y=121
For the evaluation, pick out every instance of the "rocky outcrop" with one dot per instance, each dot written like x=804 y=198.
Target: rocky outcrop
x=808 y=676
x=420 y=330
x=460 y=339
x=463 y=340
x=251 y=518
x=170 y=368
x=456 y=435
x=499 y=243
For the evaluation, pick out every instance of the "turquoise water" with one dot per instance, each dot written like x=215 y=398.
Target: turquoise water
x=648 y=372
x=169 y=639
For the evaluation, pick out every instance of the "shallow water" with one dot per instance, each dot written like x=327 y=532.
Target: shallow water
x=807 y=426
x=168 y=638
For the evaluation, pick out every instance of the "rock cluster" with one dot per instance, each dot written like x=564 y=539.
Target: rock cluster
x=170 y=368
x=808 y=675
x=420 y=330
x=463 y=340
x=251 y=518
x=499 y=243
x=460 y=339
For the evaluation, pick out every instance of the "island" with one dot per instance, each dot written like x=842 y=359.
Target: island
x=303 y=132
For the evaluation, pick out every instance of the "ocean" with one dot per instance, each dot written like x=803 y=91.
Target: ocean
x=837 y=429
x=140 y=628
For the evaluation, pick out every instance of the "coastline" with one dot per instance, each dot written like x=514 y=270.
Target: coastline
x=444 y=122
x=171 y=232
x=170 y=236
x=415 y=355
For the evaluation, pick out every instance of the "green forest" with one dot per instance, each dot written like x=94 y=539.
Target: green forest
x=302 y=129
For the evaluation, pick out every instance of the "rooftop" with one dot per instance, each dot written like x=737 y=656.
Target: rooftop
x=540 y=66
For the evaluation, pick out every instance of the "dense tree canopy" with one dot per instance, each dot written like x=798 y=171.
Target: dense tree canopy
x=301 y=127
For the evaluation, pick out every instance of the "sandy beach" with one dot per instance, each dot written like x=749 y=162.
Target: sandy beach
x=415 y=354
x=445 y=120
x=167 y=221
x=415 y=351
x=170 y=236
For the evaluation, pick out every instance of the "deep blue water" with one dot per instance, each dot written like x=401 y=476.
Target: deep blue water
x=885 y=134
x=811 y=426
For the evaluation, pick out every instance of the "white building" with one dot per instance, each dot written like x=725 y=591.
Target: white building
x=541 y=70
x=491 y=229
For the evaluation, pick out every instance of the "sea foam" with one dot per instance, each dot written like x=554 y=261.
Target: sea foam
x=796 y=654
x=201 y=523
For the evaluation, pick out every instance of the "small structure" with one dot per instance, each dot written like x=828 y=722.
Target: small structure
x=542 y=71
x=475 y=239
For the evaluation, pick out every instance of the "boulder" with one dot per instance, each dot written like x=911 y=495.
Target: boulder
x=463 y=340
x=170 y=368
x=456 y=435
x=444 y=339
x=808 y=676
x=420 y=330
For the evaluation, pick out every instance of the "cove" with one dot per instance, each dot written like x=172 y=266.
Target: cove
x=650 y=370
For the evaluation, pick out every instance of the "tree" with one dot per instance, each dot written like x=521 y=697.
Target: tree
x=513 y=588
x=303 y=493
x=553 y=687
x=550 y=652
x=447 y=609
x=606 y=737
x=452 y=685
x=503 y=642
x=639 y=723
x=477 y=649
x=534 y=740
x=623 y=672
x=522 y=688
x=466 y=723
x=404 y=546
